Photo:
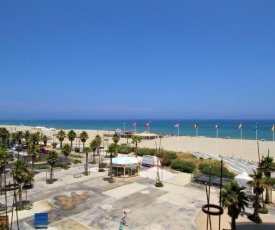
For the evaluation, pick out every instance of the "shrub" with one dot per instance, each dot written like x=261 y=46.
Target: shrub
x=77 y=161
x=159 y=184
x=215 y=170
x=58 y=165
x=263 y=210
x=170 y=154
x=125 y=149
x=77 y=150
x=74 y=155
x=145 y=151
x=102 y=165
x=166 y=161
x=54 y=144
x=183 y=166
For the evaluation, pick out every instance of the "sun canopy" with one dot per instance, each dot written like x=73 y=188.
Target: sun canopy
x=242 y=180
x=125 y=161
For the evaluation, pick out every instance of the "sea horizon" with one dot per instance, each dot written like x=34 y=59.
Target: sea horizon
x=227 y=128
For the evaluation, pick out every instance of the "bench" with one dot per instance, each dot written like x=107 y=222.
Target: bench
x=41 y=220
x=77 y=175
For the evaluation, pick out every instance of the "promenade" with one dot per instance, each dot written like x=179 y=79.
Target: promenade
x=91 y=202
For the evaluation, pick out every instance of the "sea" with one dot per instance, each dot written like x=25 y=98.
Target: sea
x=251 y=129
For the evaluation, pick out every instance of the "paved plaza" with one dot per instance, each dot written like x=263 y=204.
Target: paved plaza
x=91 y=202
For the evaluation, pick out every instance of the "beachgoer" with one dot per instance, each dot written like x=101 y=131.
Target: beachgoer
x=123 y=218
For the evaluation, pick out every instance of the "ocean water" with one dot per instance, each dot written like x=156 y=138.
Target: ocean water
x=226 y=128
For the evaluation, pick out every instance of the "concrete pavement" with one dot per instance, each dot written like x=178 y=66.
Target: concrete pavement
x=91 y=202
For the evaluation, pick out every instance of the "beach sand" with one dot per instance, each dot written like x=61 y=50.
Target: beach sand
x=245 y=149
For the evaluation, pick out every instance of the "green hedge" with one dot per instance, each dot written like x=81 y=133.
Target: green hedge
x=215 y=170
x=170 y=154
x=125 y=149
x=145 y=151
x=183 y=166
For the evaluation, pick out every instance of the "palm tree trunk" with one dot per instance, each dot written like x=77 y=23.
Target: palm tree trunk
x=94 y=157
x=1 y=180
x=86 y=166
x=233 y=222
x=51 y=175
x=66 y=162
x=256 y=216
x=32 y=163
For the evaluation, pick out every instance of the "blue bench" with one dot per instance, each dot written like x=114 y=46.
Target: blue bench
x=41 y=220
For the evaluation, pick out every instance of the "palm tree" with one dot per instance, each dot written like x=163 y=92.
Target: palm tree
x=3 y=163
x=267 y=165
x=66 y=150
x=35 y=137
x=233 y=198
x=4 y=134
x=98 y=142
x=19 y=136
x=93 y=146
x=86 y=150
x=27 y=135
x=21 y=173
x=52 y=158
x=83 y=137
x=13 y=137
x=33 y=151
x=71 y=136
x=45 y=139
x=136 y=140
x=61 y=136
x=258 y=184
x=116 y=138
x=112 y=149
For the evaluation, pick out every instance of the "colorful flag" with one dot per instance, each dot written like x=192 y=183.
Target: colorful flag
x=177 y=125
x=196 y=125
x=273 y=128
x=240 y=126
x=147 y=124
x=216 y=127
x=134 y=124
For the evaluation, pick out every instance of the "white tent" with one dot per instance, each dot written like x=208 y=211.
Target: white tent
x=242 y=180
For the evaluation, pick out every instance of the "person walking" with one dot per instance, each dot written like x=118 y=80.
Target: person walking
x=123 y=218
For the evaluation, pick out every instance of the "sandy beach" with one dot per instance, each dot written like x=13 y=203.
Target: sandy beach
x=245 y=149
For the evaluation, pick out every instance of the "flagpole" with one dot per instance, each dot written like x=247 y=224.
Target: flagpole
x=241 y=142
x=178 y=135
x=217 y=140
x=273 y=138
x=196 y=139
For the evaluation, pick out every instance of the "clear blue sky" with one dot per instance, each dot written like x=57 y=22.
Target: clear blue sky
x=174 y=59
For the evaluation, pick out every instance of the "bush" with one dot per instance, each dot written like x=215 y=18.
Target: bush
x=183 y=166
x=54 y=144
x=125 y=149
x=76 y=161
x=166 y=161
x=145 y=151
x=170 y=154
x=102 y=165
x=74 y=155
x=77 y=150
x=215 y=170
x=58 y=165
x=263 y=210
x=159 y=184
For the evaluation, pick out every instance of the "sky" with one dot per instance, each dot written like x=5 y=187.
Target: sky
x=137 y=59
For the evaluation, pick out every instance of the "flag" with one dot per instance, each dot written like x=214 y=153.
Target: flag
x=147 y=124
x=240 y=126
x=196 y=125
x=273 y=128
x=216 y=127
x=177 y=125
x=134 y=124
x=256 y=127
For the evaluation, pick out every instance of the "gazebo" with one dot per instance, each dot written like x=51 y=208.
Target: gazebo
x=125 y=166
